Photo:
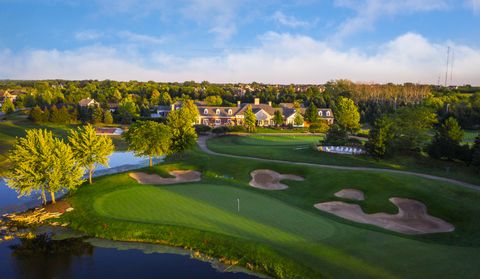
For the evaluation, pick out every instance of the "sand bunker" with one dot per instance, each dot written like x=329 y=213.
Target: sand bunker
x=180 y=176
x=412 y=217
x=270 y=180
x=351 y=194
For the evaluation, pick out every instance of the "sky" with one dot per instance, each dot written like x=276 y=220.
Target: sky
x=230 y=41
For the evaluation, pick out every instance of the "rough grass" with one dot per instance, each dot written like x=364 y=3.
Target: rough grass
x=279 y=231
x=301 y=149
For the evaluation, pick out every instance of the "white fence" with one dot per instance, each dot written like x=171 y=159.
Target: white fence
x=341 y=150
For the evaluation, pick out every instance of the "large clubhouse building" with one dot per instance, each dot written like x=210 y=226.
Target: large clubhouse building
x=231 y=116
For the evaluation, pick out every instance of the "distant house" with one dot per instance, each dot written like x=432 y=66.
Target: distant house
x=88 y=103
x=10 y=94
x=231 y=116
x=108 y=131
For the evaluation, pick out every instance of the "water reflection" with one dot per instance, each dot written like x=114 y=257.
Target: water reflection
x=44 y=257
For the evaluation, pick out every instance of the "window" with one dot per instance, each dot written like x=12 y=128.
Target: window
x=205 y=111
x=217 y=112
x=320 y=113
x=229 y=121
x=328 y=113
x=205 y=121
x=218 y=121
x=230 y=112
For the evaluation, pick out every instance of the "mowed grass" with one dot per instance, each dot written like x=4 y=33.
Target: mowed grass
x=302 y=149
x=118 y=207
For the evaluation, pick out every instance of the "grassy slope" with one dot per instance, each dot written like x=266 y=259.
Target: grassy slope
x=300 y=149
x=286 y=220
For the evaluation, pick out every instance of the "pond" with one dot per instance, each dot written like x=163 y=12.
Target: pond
x=47 y=257
x=43 y=257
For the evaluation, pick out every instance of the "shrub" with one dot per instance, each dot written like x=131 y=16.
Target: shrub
x=202 y=129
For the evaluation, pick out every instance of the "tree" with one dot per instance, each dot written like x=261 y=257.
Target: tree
x=36 y=114
x=320 y=126
x=128 y=110
x=180 y=122
x=278 y=118
x=165 y=99
x=336 y=136
x=42 y=163
x=412 y=127
x=148 y=138
x=476 y=153
x=97 y=115
x=107 y=117
x=155 y=99
x=90 y=149
x=311 y=114
x=298 y=119
x=347 y=115
x=8 y=106
x=54 y=116
x=380 y=138
x=250 y=119
x=214 y=100
x=446 y=141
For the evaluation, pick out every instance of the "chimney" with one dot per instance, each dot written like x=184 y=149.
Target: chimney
x=239 y=103
x=269 y=103
x=256 y=101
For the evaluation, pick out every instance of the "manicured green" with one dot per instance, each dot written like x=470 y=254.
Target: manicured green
x=302 y=149
x=280 y=231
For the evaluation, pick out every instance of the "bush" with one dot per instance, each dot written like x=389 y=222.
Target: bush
x=220 y=130
x=319 y=127
x=202 y=129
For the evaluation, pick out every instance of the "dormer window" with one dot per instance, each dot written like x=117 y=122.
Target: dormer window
x=328 y=113
x=205 y=111
x=230 y=112
x=217 y=112
x=320 y=113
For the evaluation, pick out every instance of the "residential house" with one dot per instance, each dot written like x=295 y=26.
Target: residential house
x=231 y=116
x=88 y=103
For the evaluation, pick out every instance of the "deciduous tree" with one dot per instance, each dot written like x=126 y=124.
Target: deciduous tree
x=8 y=106
x=347 y=115
x=278 y=118
x=42 y=163
x=250 y=119
x=180 y=122
x=90 y=149
x=148 y=138
x=380 y=139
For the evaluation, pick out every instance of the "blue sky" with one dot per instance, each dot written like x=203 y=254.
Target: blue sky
x=302 y=41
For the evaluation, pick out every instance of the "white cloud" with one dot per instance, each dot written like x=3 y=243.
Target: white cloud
x=369 y=11
x=141 y=38
x=88 y=35
x=289 y=21
x=279 y=58
x=474 y=4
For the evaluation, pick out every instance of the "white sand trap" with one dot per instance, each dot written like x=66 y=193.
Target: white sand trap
x=351 y=194
x=412 y=217
x=270 y=180
x=180 y=176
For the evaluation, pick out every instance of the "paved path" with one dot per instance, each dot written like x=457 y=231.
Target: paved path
x=202 y=143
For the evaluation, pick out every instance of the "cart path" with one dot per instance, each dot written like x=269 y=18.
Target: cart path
x=202 y=143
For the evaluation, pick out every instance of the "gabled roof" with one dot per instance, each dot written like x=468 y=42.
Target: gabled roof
x=86 y=102
x=255 y=108
x=323 y=113
x=212 y=111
